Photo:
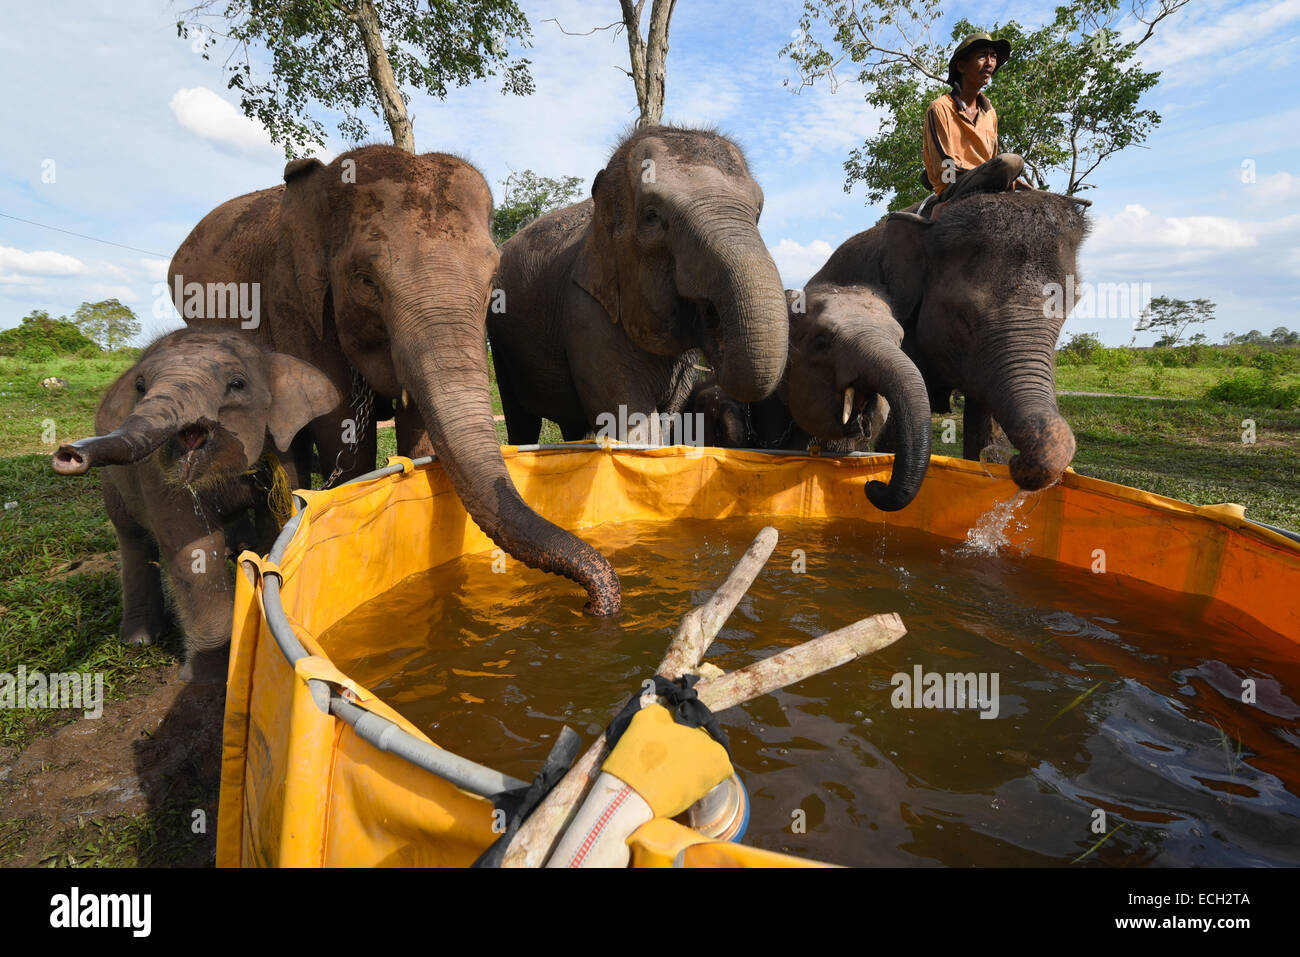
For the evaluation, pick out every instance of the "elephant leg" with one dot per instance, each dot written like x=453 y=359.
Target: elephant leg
x=522 y=427
x=977 y=429
x=204 y=596
x=575 y=430
x=144 y=613
x=412 y=437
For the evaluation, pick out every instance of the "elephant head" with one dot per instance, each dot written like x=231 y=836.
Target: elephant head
x=978 y=293
x=392 y=257
x=674 y=255
x=206 y=401
x=846 y=361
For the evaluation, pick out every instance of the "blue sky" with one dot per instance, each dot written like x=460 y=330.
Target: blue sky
x=142 y=139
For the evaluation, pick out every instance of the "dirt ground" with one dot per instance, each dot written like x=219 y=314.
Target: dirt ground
x=123 y=786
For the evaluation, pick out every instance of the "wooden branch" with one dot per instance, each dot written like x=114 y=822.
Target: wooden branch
x=533 y=842
x=615 y=24
x=802 y=661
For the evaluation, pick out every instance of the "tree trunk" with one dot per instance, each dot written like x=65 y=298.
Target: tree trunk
x=649 y=56
x=381 y=75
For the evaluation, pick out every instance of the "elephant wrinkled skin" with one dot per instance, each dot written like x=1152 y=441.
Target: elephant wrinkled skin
x=381 y=262
x=976 y=293
x=606 y=302
x=845 y=373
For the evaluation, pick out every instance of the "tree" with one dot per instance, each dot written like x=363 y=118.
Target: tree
x=40 y=336
x=1171 y=317
x=109 y=323
x=1282 y=336
x=526 y=196
x=1066 y=100
x=334 y=52
x=648 y=54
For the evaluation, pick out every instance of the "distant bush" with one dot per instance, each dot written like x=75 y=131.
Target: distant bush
x=1080 y=350
x=1252 y=387
x=40 y=338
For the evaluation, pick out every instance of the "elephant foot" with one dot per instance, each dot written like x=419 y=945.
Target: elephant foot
x=206 y=667
x=138 y=635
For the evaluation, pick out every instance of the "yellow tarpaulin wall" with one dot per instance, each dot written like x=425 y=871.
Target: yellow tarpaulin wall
x=300 y=788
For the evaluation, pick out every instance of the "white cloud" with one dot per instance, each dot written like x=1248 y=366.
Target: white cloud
x=1273 y=189
x=1188 y=49
x=43 y=262
x=154 y=269
x=204 y=113
x=1136 y=226
x=797 y=262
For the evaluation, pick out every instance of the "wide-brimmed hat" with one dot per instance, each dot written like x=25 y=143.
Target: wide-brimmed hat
x=1003 y=48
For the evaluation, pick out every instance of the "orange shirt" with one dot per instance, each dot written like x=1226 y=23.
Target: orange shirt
x=951 y=134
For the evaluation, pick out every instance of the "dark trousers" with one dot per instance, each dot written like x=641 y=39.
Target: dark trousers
x=995 y=176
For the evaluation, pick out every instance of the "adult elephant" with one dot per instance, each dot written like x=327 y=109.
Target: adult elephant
x=377 y=270
x=846 y=372
x=605 y=301
x=979 y=294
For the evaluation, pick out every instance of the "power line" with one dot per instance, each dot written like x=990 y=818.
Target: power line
x=84 y=236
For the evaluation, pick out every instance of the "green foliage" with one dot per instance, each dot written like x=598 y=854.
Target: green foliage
x=40 y=337
x=1254 y=388
x=317 y=55
x=1171 y=317
x=1082 y=348
x=527 y=196
x=1067 y=99
x=109 y=323
x=1281 y=336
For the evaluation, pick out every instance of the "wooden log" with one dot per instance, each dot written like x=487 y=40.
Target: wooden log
x=534 y=840
x=802 y=661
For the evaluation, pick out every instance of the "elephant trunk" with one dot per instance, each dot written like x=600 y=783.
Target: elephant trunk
x=441 y=359
x=149 y=426
x=747 y=301
x=1024 y=403
x=892 y=374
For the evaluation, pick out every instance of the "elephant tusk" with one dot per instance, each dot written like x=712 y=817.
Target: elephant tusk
x=406 y=399
x=848 y=406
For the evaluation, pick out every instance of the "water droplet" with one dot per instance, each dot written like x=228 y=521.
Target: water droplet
x=857 y=714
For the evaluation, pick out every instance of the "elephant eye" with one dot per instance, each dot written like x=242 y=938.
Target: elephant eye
x=237 y=383
x=139 y=385
x=650 y=216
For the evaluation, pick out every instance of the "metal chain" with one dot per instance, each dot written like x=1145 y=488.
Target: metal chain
x=363 y=404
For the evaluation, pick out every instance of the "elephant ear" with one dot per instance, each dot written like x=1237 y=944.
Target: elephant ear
x=904 y=268
x=117 y=403
x=299 y=393
x=595 y=270
x=303 y=221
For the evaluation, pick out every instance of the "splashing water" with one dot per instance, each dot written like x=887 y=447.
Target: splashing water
x=992 y=533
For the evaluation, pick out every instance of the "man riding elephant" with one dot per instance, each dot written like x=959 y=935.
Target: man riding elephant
x=961 y=130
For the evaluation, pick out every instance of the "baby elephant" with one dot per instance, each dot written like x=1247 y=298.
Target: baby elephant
x=183 y=441
x=847 y=383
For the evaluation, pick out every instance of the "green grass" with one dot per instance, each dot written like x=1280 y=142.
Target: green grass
x=26 y=408
x=67 y=623
x=1138 y=380
x=1190 y=450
